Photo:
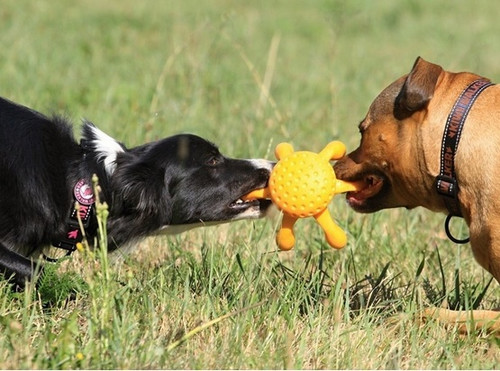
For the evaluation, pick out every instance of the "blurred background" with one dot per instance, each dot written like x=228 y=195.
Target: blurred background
x=244 y=74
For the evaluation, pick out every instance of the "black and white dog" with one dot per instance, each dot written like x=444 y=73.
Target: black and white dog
x=46 y=191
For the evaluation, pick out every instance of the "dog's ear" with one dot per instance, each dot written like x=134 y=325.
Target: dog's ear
x=141 y=189
x=141 y=202
x=104 y=148
x=419 y=86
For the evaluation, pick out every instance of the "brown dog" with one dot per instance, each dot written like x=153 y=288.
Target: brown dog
x=399 y=158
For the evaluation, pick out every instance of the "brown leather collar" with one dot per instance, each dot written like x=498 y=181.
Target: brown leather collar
x=446 y=181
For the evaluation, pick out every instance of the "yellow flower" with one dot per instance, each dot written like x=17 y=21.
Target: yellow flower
x=79 y=247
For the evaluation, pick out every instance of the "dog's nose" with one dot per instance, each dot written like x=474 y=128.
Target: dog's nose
x=263 y=164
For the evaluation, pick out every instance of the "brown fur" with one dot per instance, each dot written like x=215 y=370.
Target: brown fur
x=399 y=157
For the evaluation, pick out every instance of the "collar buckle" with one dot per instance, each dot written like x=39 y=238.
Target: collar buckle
x=447 y=186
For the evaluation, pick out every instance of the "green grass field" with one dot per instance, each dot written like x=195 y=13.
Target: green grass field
x=224 y=297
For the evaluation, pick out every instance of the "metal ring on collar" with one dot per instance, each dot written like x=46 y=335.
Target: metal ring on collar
x=448 y=233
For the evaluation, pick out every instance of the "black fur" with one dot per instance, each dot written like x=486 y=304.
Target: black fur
x=180 y=180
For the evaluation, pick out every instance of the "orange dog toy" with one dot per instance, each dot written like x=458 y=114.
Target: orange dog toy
x=301 y=185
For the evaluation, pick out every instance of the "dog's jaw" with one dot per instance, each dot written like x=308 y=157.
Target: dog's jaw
x=105 y=147
x=267 y=210
x=357 y=200
x=257 y=208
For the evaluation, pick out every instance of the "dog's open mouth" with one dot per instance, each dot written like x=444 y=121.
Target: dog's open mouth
x=373 y=185
x=242 y=204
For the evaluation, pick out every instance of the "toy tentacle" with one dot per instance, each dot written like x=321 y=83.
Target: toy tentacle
x=335 y=236
x=341 y=186
x=257 y=194
x=283 y=150
x=285 y=237
x=333 y=151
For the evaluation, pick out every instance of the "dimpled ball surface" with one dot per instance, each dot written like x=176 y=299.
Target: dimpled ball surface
x=301 y=184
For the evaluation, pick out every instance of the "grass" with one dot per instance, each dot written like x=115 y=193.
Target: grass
x=246 y=75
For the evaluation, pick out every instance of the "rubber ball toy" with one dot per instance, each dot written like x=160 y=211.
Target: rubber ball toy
x=301 y=185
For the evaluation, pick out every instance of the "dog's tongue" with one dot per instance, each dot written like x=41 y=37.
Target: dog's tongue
x=356 y=196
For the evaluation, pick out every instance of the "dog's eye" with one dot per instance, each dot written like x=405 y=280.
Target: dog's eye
x=213 y=161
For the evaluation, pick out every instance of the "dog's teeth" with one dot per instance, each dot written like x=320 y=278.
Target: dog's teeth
x=239 y=201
